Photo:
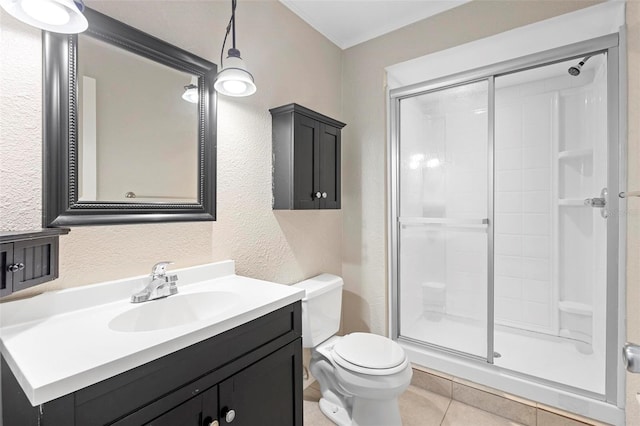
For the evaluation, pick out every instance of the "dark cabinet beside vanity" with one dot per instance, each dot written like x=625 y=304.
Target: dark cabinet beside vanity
x=28 y=258
x=306 y=159
x=247 y=376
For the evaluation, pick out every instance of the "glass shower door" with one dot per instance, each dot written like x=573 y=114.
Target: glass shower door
x=442 y=218
x=505 y=223
x=551 y=219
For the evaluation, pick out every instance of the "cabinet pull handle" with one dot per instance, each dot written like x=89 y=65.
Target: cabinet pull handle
x=15 y=267
x=324 y=195
x=318 y=194
x=214 y=423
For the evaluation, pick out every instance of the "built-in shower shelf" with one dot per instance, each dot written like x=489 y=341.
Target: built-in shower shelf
x=575 y=153
x=577 y=308
x=571 y=202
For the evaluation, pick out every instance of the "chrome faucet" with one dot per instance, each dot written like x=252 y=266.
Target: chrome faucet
x=161 y=284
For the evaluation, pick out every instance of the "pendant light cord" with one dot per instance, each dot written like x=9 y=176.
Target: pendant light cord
x=232 y=24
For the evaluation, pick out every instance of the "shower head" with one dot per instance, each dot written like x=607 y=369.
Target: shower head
x=575 y=71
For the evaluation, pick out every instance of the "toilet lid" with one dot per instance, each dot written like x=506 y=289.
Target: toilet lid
x=370 y=351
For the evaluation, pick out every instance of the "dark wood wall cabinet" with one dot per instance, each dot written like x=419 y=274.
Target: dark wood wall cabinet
x=306 y=159
x=28 y=258
x=247 y=376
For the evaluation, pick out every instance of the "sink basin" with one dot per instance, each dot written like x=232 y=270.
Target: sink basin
x=174 y=311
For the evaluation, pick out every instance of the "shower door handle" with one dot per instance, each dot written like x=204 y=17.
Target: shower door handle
x=599 y=203
x=631 y=356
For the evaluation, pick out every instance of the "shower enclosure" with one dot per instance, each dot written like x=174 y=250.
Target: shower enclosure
x=504 y=225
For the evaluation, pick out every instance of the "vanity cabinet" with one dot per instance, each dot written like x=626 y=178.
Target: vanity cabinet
x=196 y=411
x=28 y=258
x=306 y=159
x=247 y=376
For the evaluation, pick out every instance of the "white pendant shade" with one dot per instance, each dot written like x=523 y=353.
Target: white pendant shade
x=191 y=95
x=234 y=79
x=191 y=91
x=59 y=16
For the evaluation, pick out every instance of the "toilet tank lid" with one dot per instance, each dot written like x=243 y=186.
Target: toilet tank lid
x=319 y=284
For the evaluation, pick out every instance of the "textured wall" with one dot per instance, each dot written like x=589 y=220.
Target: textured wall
x=633 y=205
x=291 y=62
x=20 y=124
x=364 y=157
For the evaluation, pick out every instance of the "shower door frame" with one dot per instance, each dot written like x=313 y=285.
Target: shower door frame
x=616 y=178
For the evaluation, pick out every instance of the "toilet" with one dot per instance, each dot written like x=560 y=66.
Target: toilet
x=361 y=375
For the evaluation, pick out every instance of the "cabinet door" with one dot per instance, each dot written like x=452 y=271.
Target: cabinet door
x=187 y=414
x=201 y=410
x=268 y=392
x=39 y=258
x=329 y=167
x=6 y=277
x=305 y=157
x=210 y=407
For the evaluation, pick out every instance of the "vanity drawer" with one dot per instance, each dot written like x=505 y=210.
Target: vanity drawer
x=218 y=357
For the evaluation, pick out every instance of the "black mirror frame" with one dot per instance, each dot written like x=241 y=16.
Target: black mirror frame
x=60 y=206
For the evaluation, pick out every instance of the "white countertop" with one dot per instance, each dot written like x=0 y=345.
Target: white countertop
x=59 y=342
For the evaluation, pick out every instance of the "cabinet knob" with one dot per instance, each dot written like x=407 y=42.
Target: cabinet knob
x=208 y=421
x=324 y=195
x=15 y=267
x=229 y=415
x=318 y=194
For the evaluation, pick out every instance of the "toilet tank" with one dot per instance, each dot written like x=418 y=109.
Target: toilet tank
x=321 y=308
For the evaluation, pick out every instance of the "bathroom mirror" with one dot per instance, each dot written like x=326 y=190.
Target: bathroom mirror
x=122 y=141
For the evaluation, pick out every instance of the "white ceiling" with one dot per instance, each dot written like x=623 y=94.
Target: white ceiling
x=350 y=22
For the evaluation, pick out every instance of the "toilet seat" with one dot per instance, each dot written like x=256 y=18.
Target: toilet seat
x=369 y=354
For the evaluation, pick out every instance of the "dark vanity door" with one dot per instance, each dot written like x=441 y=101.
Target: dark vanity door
x=187 y=414
x=6 y=276
x=317 y=164
x=40 y=260
x=329 y=166
x=28 y=258
x=201 y=410
x=306 y=153
x=265 y=392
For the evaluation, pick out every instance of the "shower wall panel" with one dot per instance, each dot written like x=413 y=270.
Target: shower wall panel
x=524 y=140
x=547 y=132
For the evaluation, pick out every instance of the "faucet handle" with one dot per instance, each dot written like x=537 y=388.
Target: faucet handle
x=160 y=268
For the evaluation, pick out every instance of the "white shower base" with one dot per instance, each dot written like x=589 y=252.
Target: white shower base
x=547 y=357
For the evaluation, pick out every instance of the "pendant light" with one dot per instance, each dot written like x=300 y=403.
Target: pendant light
x=58 y=16
x=191 y=91
x=233 y=79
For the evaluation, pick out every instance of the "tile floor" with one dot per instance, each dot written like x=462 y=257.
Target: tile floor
x=420 y=407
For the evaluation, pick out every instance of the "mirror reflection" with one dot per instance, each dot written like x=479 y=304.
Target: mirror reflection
x=120 y=142
x=137 y=128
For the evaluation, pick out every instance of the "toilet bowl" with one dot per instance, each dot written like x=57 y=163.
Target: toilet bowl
x=361 y=375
